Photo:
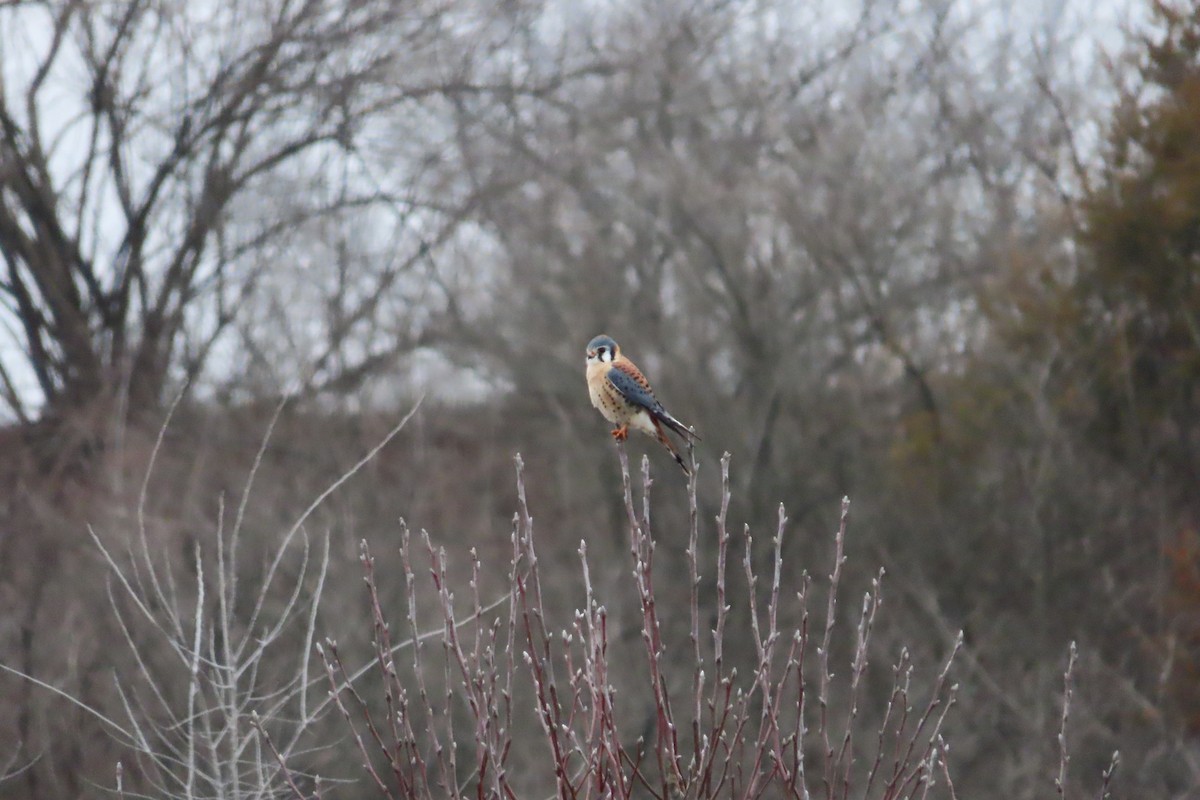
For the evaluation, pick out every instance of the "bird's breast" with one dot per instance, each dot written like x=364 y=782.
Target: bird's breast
x=604 y=397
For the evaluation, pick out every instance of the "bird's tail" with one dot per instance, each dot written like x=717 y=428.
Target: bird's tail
x=677 y=426
x=662 y=437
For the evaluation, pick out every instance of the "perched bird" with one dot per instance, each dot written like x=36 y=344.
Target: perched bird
x=623 y=395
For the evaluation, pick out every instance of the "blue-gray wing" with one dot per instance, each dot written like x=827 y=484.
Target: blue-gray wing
x=636 y=392
x=629 y=381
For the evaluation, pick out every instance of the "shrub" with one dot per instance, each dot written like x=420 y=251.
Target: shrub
x=730 y=691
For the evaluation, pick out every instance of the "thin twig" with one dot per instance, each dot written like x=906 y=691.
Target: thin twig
x=1060 y=783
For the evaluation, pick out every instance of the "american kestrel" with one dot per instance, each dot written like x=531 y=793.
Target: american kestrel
x=623 y=395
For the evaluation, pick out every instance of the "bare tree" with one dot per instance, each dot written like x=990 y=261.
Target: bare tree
x=162 y=162
x=799 y=201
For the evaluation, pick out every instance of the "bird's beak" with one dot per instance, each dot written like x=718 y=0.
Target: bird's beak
x=591 y=353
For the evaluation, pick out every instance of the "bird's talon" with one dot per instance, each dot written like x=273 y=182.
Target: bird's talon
x=621 y=434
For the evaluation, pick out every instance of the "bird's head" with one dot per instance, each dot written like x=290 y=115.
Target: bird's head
x=602 y=349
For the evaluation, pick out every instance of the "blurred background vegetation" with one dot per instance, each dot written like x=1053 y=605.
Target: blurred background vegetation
x=941 y=256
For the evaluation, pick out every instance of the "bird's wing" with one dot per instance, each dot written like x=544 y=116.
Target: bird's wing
x=631 y=384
